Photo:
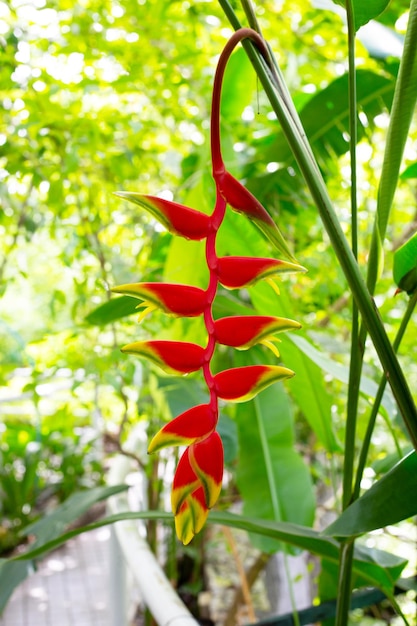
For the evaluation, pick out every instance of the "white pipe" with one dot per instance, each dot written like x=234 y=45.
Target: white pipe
x=155 y=589
x=118 y=582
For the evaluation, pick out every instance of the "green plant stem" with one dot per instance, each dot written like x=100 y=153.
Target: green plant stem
x=308 y=166
x=344 y=590
x=402 y=112
x=356 y=354
x=247 y=6
x=378 y=399
x=344 y=585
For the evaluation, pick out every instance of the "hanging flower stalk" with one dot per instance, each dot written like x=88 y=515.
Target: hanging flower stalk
x=198 y=477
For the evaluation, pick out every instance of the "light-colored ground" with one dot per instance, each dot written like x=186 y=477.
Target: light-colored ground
x=70 y=588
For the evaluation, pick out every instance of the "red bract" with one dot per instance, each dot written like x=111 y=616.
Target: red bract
x=185 y=481
x=198 y=478
x=174 y=357
x=241 y=200
x=236 y=272
x=177 y=218
x=191 y=426
x=180 y=300
x=191 y=516
x=206 y=458
x=244 y=331
x=244 y=383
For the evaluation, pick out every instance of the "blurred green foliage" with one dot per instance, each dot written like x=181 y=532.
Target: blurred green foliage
x=106 y=96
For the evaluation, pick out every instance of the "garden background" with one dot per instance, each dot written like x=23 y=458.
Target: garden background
x=103 y=96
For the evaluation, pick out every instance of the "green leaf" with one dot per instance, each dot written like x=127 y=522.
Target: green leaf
x=49 y=529
x=76 y=505
x=307 y=387
x=403 y=107
x=409 y=172
x=227 y=429
x=113 y=310
x=365 y=10
x=405 y=266
x=368 y=387
x=325 y=117
x=12 y=573
x=272 y=477
x=376 y=567
x=238 y=85
x=389 y=501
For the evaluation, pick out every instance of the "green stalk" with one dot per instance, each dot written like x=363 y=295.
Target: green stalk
x=291 y=127
x=356 y=354
x=402 y=111
x=344 y=591
x=403 y=106
x=250 y=15
x=378 y=398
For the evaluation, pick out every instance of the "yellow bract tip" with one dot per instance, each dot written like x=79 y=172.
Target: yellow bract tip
x=269 y=344
x=274 y=286
x=149 y=307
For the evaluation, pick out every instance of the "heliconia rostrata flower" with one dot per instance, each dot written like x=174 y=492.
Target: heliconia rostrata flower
x=198 y=477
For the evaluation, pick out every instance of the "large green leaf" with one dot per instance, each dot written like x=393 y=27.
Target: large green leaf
x=307 y=387
x=365 y=10
x=325 y=117
x=238 y=85
x=389 y=501
x=368 y=387
x=376 y=567
x=272 y=477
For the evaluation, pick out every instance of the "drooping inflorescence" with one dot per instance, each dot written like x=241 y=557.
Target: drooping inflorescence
x=198 y=477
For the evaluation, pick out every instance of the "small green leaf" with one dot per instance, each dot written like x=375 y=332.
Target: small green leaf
x=409 y=172
x=389 y=501
x=112 y=310
x=405 y=266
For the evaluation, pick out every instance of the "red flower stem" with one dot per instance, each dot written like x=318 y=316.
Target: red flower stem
x=211 y=258
x=220 y=207
x=243 y=33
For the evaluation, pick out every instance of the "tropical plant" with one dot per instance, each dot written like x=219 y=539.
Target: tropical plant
x=323 y=155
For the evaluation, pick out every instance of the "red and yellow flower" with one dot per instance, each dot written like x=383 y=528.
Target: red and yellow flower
x=198 y=478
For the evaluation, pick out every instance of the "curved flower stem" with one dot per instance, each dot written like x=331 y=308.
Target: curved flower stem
x=348 y=263
x=238 y=36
